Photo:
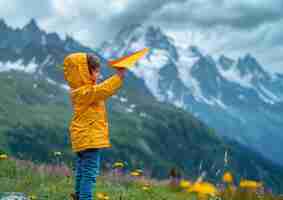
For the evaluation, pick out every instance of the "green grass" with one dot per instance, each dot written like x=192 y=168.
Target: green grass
x=34 y=180
x=45 y=182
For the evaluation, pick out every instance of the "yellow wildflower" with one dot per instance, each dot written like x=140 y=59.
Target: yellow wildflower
x=249 y=184
x=227 y=177
x=3 y=156
x=203 y=188
x=106 y=197
x=102 y=196
x=135 y=173
x=185 y=184
x=145 y=187
x=118 y=164
x=99 y=195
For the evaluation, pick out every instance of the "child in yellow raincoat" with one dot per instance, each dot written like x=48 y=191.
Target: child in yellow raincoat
x=89 y=125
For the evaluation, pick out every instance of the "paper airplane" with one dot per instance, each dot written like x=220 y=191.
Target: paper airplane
x=129 y=60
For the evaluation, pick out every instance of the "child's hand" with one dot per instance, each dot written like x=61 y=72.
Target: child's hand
x=121 y=72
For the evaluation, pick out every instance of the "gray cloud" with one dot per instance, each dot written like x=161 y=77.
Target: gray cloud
x=233 y=27
x=243 y=14
x=228 y=27
x=17 y=12
x=274 y=36
x=91 y=22
x=139 y=11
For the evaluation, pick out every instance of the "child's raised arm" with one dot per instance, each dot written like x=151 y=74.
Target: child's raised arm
x=88 y=94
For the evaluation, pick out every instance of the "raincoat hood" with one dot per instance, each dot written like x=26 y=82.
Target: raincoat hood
x=76 y=71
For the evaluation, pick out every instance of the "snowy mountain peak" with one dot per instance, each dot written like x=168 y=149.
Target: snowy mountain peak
x=249 y=65
x=31 y=32
x=136 y=37
x=53 y=39
x=69 y=38
x=206 y=73
x=3 y=25
x=155 y=38
x=154 y=33
x=225 y=62
x=70 y=42
x=32 y=26
x=194 y=51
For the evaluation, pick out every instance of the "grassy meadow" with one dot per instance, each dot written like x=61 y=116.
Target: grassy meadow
x=56 y=182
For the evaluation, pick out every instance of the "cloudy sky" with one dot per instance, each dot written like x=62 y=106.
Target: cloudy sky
x=230 y=27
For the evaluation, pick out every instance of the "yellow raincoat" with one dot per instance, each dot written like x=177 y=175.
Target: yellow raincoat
x=89 y=124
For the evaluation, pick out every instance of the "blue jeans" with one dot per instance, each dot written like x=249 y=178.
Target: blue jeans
x=87 y=169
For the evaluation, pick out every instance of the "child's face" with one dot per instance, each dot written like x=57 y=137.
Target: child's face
x=95 y=74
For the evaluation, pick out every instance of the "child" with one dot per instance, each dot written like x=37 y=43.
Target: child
x=89 y=126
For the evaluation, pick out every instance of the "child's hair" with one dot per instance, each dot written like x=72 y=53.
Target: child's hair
x=93 y=61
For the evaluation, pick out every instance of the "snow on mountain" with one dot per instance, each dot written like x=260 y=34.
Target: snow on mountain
x=19 y=65
x=187 y=59
x=245 y=72
x=267 y=96
x=35 y=51
x=248 y=74
x=233 y=92
x=233 y=74
x=148 y=69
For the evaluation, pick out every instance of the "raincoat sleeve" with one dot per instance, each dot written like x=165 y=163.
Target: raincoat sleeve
x=88 y=94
